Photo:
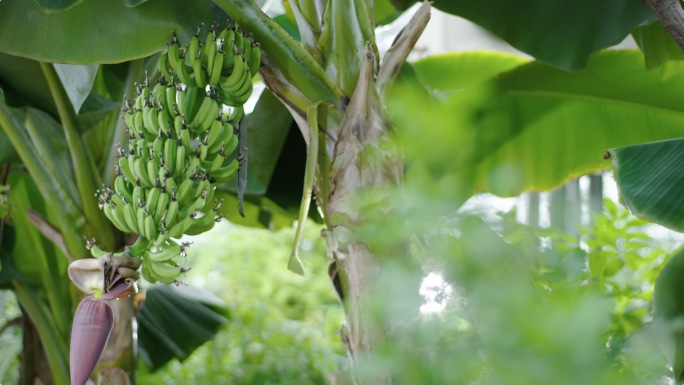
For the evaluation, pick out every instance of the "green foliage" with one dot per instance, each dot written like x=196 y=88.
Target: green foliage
x=10 y=338
x=283 y=326
x=535 y=126
x=561 y=33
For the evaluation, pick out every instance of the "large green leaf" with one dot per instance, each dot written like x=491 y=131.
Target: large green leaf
x=651 y=181
x=563 y=33
x=657 y=44
x=535 y=126
x=175 y=321
x=100 y=31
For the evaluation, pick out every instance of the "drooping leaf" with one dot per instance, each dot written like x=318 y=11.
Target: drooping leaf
x=651 y=181
x=175 y=321
x=536 y=126
x=95 y=32
x=267 y=128
x=563 y=33
x=657 y=44
x=77 y=81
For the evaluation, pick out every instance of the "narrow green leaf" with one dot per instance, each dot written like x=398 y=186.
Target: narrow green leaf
x=95 y=32
x=563 y=33
x=177 y=320
x=657 y=44
x=651 y=181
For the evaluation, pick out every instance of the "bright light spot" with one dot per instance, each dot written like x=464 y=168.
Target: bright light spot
x=436 y=292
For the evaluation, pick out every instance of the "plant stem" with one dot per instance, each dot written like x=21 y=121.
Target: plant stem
x=55 y=348
x=87 y=179
x=671 y=16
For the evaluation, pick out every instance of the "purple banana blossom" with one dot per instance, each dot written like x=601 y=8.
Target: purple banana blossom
x=104 y=279
x=92 y=324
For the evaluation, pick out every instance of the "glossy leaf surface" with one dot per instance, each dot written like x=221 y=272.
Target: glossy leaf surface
x=175 y=321
x=651 y=181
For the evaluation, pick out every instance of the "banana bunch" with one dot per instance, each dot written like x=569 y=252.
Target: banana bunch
x=227 y=61
x=181 y=147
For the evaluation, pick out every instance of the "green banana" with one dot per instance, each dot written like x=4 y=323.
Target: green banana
x=166 y=251
x=138 y=247
x=151 y=201
x=225 y=173
x=179 y=228
x=129 y=216
x=149 y=229
x=255 y=59
x=121 y=188
x=165 y=272
x=162 y=205
x=140 y=168
x=170 y=151
x=202 y=224
x=171 y=213
x=184 y=190
x=179 y=161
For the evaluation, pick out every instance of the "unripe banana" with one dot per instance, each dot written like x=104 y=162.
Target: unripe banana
x=165 y=272
x=122 y=188
x=180 y=161
x=170 y=151
x=140 y=168
x=213 y=135
x=165 y=67
x=151 y=201
x=138 y=195
x=184 y=191
x=166 y=251
x=181 y=227
x=171 y=213
x=202 y=224
x=162 y=205
x=150 y=230
x=255 y=59
x=130 y=218
x=225 y=173
x=153 y=166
